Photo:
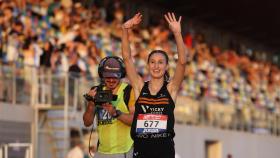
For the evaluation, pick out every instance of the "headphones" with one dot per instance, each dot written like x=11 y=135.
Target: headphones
x=103 y=61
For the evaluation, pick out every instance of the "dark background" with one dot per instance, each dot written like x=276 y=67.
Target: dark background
x=258 y=21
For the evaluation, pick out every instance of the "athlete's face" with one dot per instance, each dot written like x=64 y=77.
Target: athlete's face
x=111 y=82
x=157 y=65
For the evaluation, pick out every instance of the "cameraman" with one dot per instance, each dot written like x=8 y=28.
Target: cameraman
x=113 y=118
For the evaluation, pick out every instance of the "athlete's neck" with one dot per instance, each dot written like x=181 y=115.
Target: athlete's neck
x=155 y=85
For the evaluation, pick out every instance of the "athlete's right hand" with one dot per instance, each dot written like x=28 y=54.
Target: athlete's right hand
x=135 y=20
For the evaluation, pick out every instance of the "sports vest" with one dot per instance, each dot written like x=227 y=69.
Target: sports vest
x=154 y=115
x=113 y=135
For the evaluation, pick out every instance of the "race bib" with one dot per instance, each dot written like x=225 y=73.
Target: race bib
x=104 y=117
x=151 y=123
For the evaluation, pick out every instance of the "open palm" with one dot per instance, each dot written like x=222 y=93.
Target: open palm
x=174 y=25
x=137 y=18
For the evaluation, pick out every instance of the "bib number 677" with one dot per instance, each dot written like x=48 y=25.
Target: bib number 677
x=151 y=123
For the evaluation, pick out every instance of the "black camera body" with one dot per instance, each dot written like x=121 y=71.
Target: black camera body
x=104 y=96
x=101 y=96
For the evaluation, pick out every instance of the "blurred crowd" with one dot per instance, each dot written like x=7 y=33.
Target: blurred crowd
x=68 y=36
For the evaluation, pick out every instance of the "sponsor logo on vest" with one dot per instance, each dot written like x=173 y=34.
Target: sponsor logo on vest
x=152 y=110
x=154 y=135
x=150 y=130
x=160 y=135
x=161 y=95
x=142 y=136
x=144 y=108
x=144 y=93
x=135 y=154
x=156 y=109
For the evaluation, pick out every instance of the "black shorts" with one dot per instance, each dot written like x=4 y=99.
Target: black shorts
x=154 y=149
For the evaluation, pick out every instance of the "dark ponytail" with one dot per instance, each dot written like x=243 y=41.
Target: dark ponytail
x=166 y=76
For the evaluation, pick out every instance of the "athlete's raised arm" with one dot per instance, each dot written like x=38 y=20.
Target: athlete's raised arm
x=134 y=78
x=175 y=27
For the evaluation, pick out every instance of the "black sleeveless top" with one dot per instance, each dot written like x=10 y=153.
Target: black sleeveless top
x=154 y=116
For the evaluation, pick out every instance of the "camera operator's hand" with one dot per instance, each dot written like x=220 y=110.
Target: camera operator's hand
x=110 y=108
x=92 y=92
x=89 y=97
x=88 y=116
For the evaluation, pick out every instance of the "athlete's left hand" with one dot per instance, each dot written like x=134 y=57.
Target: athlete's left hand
x=174 y=25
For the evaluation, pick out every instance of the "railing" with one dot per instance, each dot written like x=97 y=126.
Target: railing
x=30 y=85
x=43 y=89
x=218 y=115
x=28 y=150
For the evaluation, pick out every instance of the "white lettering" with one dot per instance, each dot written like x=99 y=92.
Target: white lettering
x=156 y=109
x=142 y=136
x=150 y=130
x=160 y=135
x=111 y=68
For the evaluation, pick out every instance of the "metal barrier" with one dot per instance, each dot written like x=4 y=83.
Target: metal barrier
x=31 y=85
x=215 y=114
x=4 y=152
x=1 y=152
